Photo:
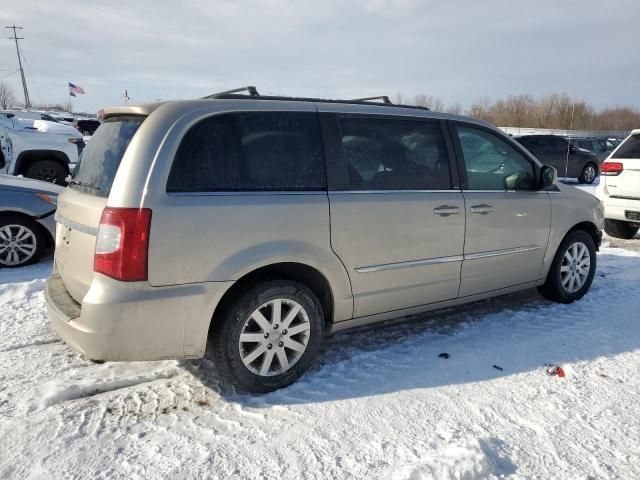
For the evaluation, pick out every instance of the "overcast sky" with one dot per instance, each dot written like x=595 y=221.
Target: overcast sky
x=457 y=50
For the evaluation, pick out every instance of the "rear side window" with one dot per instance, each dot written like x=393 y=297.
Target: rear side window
x=629 y=149
x=101 y=157
x=394 y=154
x=250 y=151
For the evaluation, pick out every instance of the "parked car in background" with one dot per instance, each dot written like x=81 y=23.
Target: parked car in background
x=86 y=126
x=619 y=188
x=256 y=224
x=30 y=115
x=569 y=160
x=38 y=149
x=27 y=225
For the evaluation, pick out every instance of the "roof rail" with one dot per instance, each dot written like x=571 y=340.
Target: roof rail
x=250 y=89
x=384 y=99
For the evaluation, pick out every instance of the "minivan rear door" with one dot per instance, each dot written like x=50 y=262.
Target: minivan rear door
x=397 y=216
x=80 y=206
x=627 y=184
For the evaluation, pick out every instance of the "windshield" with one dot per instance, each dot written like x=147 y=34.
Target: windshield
x=101 y=157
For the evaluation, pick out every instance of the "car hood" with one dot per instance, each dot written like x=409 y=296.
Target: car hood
x=9 y=182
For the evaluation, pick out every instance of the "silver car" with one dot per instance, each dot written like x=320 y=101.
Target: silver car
x=27 y=226
x=248 y=227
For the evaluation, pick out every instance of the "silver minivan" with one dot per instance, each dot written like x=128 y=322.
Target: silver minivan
x=248 y=227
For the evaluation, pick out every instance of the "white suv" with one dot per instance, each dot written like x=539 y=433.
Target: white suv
x=620 y=188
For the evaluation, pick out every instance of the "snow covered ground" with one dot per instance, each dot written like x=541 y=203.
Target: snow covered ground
x=378 y=404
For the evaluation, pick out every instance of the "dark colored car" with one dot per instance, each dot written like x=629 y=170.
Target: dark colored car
x=86 y=126
x=570 y=161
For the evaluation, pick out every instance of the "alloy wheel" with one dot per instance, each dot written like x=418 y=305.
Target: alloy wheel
x=575 y=266
x=274 y=337
x=17 y=245
x=589 y=173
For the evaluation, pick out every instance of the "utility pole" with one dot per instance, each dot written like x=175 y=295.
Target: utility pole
x=27 y=102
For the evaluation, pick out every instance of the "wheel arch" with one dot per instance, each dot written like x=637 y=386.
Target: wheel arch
x=27 y=157
x=309 y=276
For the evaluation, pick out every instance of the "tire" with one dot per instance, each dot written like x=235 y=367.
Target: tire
x=233 y=359
x=47 y=170
x=556 y=287
x=589 y=173
x=620 y=229
x=25 y=251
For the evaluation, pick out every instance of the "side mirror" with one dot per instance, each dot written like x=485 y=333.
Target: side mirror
x=548 y=177
x=572 y=148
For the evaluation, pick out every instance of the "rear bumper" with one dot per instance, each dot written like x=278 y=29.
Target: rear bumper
x=621 y=208
x=134 y=321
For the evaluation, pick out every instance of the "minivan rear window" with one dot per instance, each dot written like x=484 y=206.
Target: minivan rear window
x=629 y=149
x=101 y=157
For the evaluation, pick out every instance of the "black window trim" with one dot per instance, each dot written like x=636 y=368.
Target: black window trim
x=462 y=171
x=337 y=176
x=242 y=192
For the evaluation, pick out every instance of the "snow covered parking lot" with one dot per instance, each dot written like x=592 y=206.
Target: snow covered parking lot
x=380 y=403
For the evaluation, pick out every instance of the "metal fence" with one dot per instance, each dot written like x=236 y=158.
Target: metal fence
x=571 y=133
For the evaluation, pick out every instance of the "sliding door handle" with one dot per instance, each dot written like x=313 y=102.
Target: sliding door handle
x=482 y=209
x=446 y=210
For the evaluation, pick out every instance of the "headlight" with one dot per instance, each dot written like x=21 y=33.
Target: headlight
x=52 y=199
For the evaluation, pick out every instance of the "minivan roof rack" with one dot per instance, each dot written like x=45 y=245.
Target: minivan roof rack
x=384 y=99
x=254 y=95
x=253 y=91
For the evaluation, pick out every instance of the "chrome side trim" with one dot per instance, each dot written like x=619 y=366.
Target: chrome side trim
x=75 y=225
x=506 y=191
x=439 y=260
x=247 y=193
x=409 y=264
x=497 y=253
x=346 y=192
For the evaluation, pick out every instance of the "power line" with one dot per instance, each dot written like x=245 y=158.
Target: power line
x=27 y=102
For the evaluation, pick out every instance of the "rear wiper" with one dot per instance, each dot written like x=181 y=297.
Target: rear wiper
x=83 y=184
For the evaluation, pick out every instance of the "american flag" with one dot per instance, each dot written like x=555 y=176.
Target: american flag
x=73 y=89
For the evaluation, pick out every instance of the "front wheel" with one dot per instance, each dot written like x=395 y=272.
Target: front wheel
x=269 y=337
x=572 y=270
x=589 y=173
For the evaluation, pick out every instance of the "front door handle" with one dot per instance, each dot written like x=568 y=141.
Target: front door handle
x=482 y=209
x=446 y=210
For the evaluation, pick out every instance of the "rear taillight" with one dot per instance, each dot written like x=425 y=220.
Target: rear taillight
x=611 y=168
x=122 y=245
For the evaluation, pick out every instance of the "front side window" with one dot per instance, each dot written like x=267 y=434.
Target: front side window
x=394 y=154
x=250 y=151
x=492 y=164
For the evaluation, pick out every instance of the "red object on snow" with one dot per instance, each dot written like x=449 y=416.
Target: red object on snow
x=555 y=370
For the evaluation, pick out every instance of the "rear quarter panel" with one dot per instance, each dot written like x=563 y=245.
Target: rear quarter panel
x=220 y=237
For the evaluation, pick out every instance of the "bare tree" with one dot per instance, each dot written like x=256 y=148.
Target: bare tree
x=7 y=96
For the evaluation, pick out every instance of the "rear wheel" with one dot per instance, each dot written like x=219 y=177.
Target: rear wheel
x=572 y=270
x=268 y=338
x=48 y=171
x=620 y=229
x=589 y=173
x=21 y=242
